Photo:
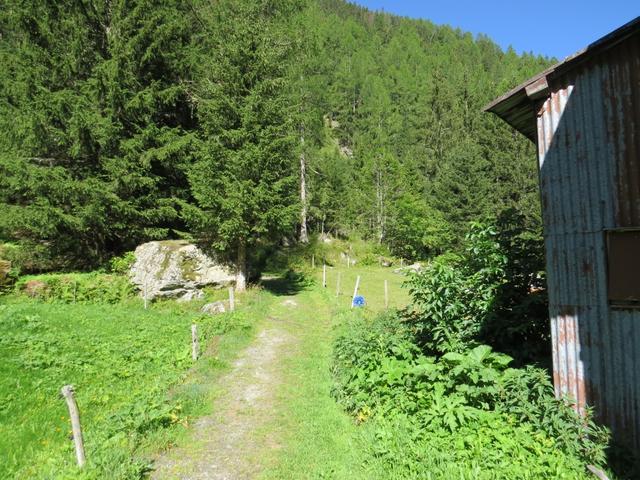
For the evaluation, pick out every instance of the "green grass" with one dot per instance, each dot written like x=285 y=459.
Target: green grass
x=371 y=285
x=132 y=372
x=320 y=440
x=318 y=437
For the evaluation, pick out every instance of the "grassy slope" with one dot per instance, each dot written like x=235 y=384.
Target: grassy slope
x=371 y=286
x=315 y=438
x=122 y=360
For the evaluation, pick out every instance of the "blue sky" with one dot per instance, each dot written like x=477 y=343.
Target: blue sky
x=547 y=27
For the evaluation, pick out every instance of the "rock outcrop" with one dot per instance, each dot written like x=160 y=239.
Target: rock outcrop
x=175 y=269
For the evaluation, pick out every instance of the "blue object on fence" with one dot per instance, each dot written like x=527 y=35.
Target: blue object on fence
x=358 y=301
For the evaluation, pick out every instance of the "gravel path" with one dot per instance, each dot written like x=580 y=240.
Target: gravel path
x=224 y=445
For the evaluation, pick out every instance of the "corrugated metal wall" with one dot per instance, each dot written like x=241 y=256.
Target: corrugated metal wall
x=589 y=159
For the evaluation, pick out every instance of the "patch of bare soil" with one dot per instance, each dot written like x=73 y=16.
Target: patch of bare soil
x=224 y=445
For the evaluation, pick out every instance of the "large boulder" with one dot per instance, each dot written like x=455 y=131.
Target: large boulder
x=176 y=269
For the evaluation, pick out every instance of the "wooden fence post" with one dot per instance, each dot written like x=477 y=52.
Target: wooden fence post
x=386 y=294
x=338 y=285
x=74 y=415
x=324 y=275
x=195 y=345
x=355 y=290
x=232 y=300
x=144 y=293
x=313 y=261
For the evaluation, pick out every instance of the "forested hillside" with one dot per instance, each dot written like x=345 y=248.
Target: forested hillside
x=245 y=123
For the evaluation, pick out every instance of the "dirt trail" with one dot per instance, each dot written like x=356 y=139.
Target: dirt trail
x=225 y=445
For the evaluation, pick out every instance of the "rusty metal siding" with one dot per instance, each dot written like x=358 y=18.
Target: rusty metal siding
x=589 y=153
x=625 y=118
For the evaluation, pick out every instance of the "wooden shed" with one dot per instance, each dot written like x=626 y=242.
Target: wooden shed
x=584 y=116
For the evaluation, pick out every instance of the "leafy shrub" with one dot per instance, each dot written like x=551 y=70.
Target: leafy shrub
x=490 y=448
x=381 y=373
x=494 y=293
x=454 y=296
x=122 y=264
x=519 y=322
x=527 y=395
x=417 y=231
x=367 y=358
x=9 y=270
x=92 y=287
x=369 y=259
x=29 y=257
x=7 y=275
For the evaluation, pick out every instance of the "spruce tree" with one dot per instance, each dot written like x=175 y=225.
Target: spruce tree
x=244 y=178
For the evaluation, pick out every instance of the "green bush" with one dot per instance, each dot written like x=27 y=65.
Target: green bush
x=519 y=321
x=9 y=270
x=92 y=287
x=454 y=296
x=527 y=395
x=7 y=275
x=122 y=264
x=490 y=448
x=29 y=257
x=417 y=231
x=381 y=373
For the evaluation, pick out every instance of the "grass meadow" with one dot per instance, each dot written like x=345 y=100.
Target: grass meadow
x=132 y=372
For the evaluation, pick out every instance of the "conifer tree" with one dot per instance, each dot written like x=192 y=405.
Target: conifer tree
x=95 y=122
x=244 y=177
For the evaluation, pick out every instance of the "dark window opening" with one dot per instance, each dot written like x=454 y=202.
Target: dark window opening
x=623 y=267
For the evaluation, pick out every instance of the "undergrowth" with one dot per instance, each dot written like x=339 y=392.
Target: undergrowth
x=93 y=287
x=464 y=414
x=438 y=402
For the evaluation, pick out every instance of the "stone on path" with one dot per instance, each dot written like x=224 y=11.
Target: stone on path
x=213 y=308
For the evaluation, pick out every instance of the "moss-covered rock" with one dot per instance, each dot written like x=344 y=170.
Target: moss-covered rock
x=175 y=268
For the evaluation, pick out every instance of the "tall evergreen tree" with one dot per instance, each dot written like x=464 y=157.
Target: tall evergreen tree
x=95 y=120
x=245 y=178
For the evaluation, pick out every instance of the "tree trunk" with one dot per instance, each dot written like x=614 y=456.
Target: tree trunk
x=304 y=235
x=241 y=268
x=380 y=213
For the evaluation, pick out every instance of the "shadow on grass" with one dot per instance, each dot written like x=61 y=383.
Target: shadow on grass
x=289 y=284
